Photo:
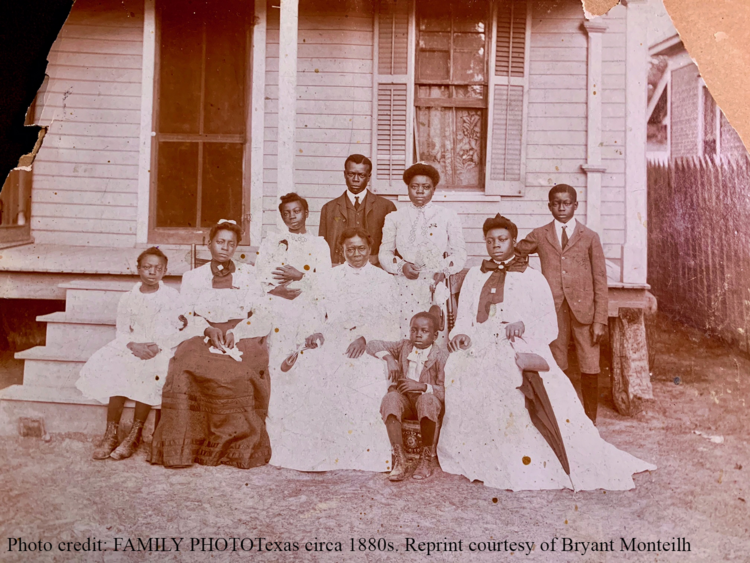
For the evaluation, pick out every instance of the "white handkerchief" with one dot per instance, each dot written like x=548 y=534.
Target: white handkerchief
x=233 y=353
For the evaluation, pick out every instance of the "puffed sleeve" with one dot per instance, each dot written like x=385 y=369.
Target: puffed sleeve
x=387 y=254
x=260 y=321
x=466 y=315
x=322 y=261
x=189 y=296
x=263 y=265
x=122 y=322
x=456 y=258
x=173 y=333
x=536 y=308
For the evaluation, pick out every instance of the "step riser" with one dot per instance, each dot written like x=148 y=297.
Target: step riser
x=79 y=337
x=63 y=418
x=92 y=303
x=43 y=373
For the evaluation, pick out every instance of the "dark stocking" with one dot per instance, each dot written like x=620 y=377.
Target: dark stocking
x=427 y=428
x=114 y=409
x=590 y=392
x=393 y=425
x=141 y=411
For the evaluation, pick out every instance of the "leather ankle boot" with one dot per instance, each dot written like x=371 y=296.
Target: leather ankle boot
x=426 y=465
x=129 y=444
x=398 y=473
x=108 y=443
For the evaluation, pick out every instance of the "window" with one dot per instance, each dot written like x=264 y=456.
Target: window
x=451 y=82
x=200 y=117
x=709 y=125
x=451 y=89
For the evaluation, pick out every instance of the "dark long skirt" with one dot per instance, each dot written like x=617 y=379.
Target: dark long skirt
x=214 y=408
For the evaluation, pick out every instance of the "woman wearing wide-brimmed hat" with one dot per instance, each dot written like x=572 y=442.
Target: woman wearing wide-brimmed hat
x=423 y=243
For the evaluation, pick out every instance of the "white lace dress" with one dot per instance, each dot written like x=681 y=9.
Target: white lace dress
x=324 y=413
x=113 y=370
x=487 y=433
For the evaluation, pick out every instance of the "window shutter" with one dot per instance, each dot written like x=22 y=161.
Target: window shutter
x=393 y=95
x=506 y=139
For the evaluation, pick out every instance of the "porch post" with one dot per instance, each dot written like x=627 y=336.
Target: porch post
x=593 y=166
x=257 y=121
x=287 y=96
x=636 y=74
x=147 y=112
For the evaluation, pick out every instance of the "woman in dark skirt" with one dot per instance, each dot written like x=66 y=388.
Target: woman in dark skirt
x=215 y=398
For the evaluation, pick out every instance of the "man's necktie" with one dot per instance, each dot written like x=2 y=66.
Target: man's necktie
x=493 y=290
x=356 y=202
x=564 y=237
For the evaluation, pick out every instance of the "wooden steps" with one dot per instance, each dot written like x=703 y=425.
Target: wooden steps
x=51 y=371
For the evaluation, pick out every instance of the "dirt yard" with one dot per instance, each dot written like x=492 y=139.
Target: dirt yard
x=696 y=432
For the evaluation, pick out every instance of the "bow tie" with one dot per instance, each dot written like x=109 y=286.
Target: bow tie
x=516 y=264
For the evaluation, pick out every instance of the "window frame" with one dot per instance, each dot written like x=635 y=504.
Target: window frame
x=389 y=183
x=199 y=235
x=456 y=103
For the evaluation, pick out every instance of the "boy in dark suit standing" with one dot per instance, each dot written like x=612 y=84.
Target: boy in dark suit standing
x=416 y=372
x=356 y=207
x=573 y=262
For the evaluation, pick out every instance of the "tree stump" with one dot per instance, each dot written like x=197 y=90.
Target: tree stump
x=631 y=383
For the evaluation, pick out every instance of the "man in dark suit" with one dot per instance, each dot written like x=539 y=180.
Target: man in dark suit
x=573 y=263
x=356 y=207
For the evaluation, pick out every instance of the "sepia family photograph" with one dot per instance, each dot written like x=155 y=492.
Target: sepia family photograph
x=372 y=280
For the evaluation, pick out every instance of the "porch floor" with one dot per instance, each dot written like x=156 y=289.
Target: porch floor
x=88 y=260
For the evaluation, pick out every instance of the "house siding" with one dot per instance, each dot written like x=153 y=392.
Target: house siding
x=334 y=117
x=685 y=112
x=85 y=177
x=614 y=54
x=334 y=101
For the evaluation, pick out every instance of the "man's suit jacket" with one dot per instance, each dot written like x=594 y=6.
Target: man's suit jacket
x=334 y=220
x=433 y=371
x=578 y=273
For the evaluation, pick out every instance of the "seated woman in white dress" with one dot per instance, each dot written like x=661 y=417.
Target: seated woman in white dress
x=487 y=432
x=325 y=411
x=134 y=365
x=423 y=243
x=287 y=265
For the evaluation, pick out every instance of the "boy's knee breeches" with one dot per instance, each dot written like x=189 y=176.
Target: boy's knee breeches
x=411 y=406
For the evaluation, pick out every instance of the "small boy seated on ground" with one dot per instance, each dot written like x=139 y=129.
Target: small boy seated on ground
x=416 y=372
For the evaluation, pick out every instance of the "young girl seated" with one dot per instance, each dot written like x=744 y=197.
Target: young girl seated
x=134 y=365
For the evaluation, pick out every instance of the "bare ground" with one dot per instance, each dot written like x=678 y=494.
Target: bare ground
x=53 y=491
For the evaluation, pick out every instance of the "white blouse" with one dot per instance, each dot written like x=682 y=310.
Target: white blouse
x=306 y=252
x=526 y=297
x=149 y=317
x=358 y=300
x=203 y=303
x=422 y=236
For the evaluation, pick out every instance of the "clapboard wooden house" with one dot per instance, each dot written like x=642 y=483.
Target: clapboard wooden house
x=165 y=116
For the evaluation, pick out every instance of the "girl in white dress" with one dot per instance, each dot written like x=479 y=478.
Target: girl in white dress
x=487 y=432
x=287 y=265
x=134 y=365
x=324 y=412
